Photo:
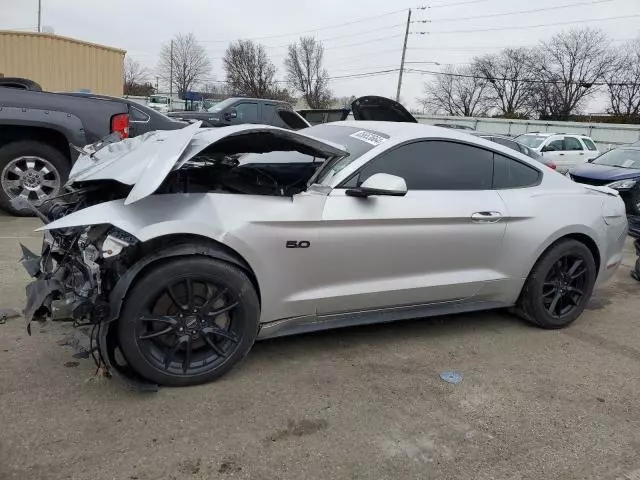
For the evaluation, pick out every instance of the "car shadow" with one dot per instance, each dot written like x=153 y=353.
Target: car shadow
x=378 y=335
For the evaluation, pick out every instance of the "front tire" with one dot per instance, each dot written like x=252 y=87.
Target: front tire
x=188 y=321
x=559 y=286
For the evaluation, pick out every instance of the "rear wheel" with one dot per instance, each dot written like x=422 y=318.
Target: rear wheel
x=188 y=321
x=32 y=170
x=559 y=286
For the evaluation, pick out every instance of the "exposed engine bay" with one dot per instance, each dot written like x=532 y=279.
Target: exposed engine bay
x=80 y=269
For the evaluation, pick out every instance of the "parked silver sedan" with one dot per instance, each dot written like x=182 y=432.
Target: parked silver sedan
x=182 y=248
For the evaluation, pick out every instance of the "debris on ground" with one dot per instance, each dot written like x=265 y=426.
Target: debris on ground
x=451 y=377
x=6 y=314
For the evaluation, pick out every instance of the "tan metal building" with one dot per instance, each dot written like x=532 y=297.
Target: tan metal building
x=61 y=63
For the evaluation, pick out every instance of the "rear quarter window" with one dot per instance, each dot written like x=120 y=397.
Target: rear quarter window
x=509 y=173
x=589 y=144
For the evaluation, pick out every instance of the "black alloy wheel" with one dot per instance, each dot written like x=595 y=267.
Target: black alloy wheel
x=564 y=286
x=559 y=286
x=189 y=327
x=188 y=321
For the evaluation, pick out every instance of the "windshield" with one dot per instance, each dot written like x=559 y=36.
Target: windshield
x=531 y=141
x=623 y=158
x=357 y=142
x=221 y=106
x=162 y=100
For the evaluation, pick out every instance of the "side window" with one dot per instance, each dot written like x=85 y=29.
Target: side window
x=433 y=165
x=138 y=115
x=247 y=113
x=572 y=143
x=510 y=173
x=555 y=145
x=292 y=119
x=507 y=143
x=589 y=144
x=268 y=114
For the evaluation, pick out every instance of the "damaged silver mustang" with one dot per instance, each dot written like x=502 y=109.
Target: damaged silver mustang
x=181 y=248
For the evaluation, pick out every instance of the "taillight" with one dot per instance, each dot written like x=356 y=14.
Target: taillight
x=120 y=124
x=552 y=165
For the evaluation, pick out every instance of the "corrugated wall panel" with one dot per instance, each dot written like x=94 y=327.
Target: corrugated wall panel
x=61 y=64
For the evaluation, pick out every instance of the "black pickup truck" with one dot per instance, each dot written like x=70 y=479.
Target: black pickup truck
x=38 y=128
x=238 y=110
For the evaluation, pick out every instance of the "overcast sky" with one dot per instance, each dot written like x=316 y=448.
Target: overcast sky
x=374 y=44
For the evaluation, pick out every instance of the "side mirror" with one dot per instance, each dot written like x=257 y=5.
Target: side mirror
x=381 y=184
x=230 y=115
x=548 y=148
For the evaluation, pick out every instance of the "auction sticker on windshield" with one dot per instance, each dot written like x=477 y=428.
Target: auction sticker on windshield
x=370 y=138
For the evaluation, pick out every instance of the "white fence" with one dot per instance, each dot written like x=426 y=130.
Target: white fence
x=606 y=135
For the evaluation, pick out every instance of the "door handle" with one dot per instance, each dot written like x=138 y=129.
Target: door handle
x=561 y=154
x=581 y=153
x=486 y=217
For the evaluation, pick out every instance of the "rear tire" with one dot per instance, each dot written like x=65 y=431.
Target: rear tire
x=182 y=298
x=559 y=286
x=32 y=169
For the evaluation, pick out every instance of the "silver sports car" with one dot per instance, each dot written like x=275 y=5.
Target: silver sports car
x=180 y=249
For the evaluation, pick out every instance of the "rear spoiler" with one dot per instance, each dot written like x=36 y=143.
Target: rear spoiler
x=605 y=190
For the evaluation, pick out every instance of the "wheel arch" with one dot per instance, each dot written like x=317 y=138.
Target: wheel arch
x=581 y=237
x=160 y=249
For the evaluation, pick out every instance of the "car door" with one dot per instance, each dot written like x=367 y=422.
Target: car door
x=574 y=151
x=553 y=149
x=246 y=112
x=438 y=243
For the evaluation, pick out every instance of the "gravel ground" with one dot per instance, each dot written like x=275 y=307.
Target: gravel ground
x=357 y=403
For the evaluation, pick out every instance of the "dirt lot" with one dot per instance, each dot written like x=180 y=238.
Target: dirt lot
x=358 y=403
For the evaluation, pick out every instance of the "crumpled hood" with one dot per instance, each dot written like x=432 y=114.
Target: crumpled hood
x=145 y=161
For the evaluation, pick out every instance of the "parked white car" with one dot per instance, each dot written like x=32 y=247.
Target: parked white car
x=565 y=150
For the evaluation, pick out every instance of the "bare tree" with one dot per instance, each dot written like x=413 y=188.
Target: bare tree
x=219 y=91
x=568 y=66
x=190 y=63
x=509 y=78
x=623 y=82
x=306 y=74
x=282 y=94
x=135 y=75
x=249 y=70
x=345 y=102
x=457 y=91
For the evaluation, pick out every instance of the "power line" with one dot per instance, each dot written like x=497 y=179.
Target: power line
x=365 y=19
x=445 y=5
x=363 y=43
x=504 y=14
x=533 y=26
x=521 y=80
x=343 y=36
x=367 y=74
x=488 y=47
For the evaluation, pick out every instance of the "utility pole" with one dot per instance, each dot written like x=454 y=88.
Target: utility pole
x=171 y=70
x=39 y=16
x=404 y=52
x=157 y=84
